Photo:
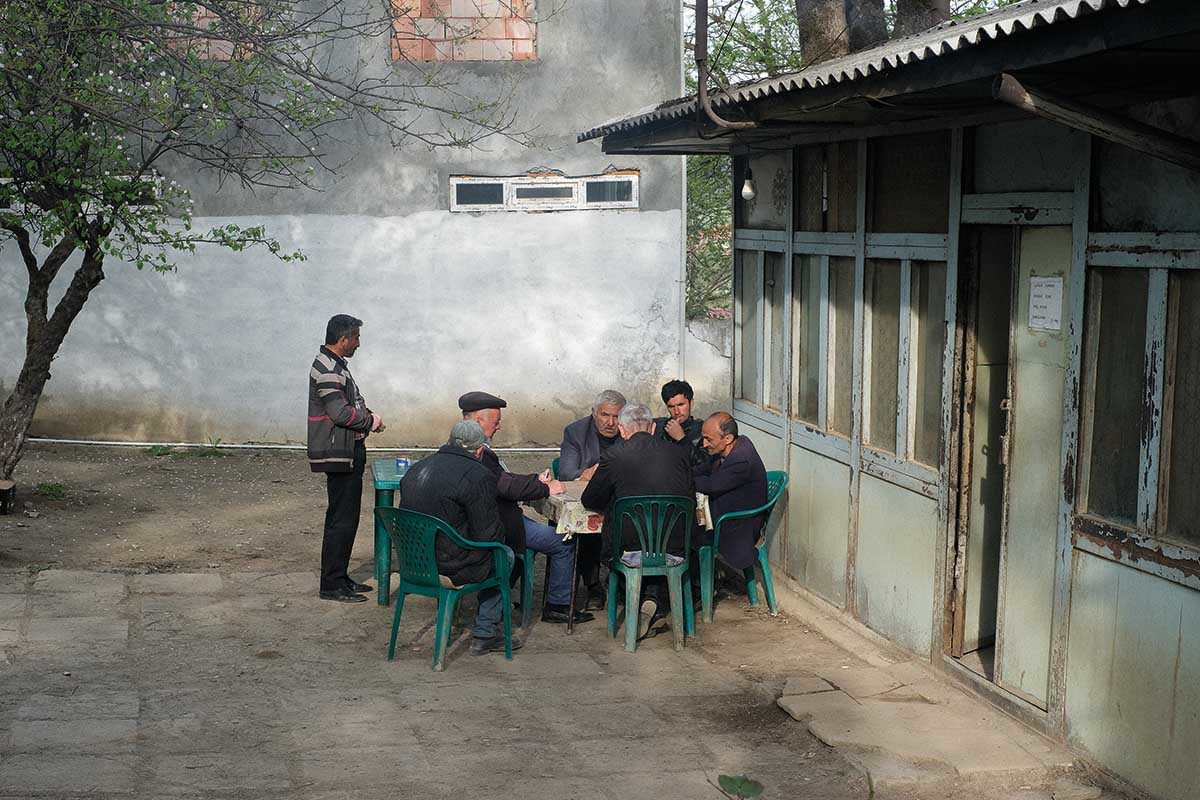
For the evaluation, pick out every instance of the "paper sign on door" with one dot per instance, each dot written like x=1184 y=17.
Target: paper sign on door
x=1045 y=303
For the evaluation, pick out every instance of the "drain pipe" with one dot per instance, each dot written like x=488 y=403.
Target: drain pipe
x=702 y=71
x=224 y=446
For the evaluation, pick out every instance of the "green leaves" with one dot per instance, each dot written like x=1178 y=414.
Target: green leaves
x=739 y=786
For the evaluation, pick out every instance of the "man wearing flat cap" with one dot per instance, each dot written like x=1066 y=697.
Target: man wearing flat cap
x=454 y=486
x=521 y=532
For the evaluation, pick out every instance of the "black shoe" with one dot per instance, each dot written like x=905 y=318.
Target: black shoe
x=558 y=614
x=482 y=646
x=355 y=586
x=595 y=601
x=343 y=595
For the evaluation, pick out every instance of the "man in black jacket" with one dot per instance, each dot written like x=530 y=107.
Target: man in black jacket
x=520 y=531
x=679 y=425
x=640 y=465
x=454 y=486
x=735 y=480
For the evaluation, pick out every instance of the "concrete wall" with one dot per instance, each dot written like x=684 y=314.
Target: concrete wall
x=708 y=365
x=544 y=309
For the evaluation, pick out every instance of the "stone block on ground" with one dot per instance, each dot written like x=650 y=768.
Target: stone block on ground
x=78 y=735
x=80 y=581
x=176 y=583
x=72 y=630
x=57 y=775
x=860 y=682
x=805 y=683
x=80 y=705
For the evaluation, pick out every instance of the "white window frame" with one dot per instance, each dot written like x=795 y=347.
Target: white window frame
x=577 y=201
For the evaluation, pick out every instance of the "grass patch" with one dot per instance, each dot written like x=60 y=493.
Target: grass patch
x=159 y=450
x=51 y=491
x=211 y=450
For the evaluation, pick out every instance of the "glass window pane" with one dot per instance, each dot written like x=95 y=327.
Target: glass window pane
x=1116 y=345
x=806 y=333
x=1182 y=499
x=609 y=191
x=479 y=194
x=748 y=324
x=841 y=326
x=775 y=354
x=882 y=284
x=544 y=192
x=929 y=312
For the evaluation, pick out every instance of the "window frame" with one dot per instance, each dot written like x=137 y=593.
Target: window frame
x=577 y=202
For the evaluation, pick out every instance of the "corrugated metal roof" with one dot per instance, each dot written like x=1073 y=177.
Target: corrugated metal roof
x=949 y=37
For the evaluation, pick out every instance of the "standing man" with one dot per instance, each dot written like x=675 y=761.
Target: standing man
x=735 y=480
x=583 y=441
x=520 y=531
x=641 y=465
x=454 y=486
x=338 y=424
x=679 y=425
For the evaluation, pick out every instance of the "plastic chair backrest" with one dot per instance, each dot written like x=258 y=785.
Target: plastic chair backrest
x=413 y=535
x=554 y=468
x=777 y=481
x=653 y=518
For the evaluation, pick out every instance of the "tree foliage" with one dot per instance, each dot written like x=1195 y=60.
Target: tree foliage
x=107 y=106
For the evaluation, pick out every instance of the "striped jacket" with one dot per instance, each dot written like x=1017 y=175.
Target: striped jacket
x=337 y=414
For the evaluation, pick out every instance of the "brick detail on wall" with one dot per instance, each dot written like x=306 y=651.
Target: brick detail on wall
x=463 y=30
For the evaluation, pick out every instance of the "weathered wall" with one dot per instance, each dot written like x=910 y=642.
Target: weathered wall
x=707 y=364
x=544 y=309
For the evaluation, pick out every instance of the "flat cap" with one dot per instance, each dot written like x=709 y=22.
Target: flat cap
x=477 y=401
x=468 y=435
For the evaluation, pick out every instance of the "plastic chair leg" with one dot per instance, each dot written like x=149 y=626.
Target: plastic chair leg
x=677 y=624
x=633 y=594
x=612 y=604
x=395 y=624
x=751 y=585
x=527 y=564
x=506 y=615
x=706 y=583
x=689 y=610
x=768 y=586
x=447 y=605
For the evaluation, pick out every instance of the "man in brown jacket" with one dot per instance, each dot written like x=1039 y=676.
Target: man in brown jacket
x=338 y=424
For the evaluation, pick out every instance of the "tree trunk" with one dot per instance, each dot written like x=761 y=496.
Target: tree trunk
x=822 y=29
x=915 y=16
x=43 y=337
x=866 y=22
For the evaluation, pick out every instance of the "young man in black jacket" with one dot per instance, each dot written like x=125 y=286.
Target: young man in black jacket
x=679 y=426
x=521 y=532
x=454 y=486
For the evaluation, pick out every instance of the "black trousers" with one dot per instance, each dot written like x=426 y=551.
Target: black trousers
x=341 y=520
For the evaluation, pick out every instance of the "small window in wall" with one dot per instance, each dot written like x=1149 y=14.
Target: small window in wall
x=841 y=361
x=775 y=354
x=1114 y=390
x=827 y=187
x=545 y=192
x=806 y=335
x=748 y=325
x=928 y=295
x=882 y=286
x=1180 y=502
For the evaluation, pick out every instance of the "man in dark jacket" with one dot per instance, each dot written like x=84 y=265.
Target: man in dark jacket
x=454 y=486
x=520 y=531
x=679 y=425
x=583 y=441
x=640 y=465
x=735 y=480
x=338 y=424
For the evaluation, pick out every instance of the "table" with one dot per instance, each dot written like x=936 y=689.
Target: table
x=572 y=519
x=387 y=480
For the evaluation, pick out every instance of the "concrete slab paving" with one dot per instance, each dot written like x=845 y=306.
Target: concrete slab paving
x=74 y=736
x=58 y=774
x=176 y=583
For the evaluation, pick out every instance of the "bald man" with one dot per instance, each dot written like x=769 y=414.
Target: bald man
x=734 y=480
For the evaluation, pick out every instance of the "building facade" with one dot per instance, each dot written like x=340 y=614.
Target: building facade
x=965 y=324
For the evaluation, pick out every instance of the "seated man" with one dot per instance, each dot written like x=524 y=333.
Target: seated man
x=520 y=531
x=640 y=465
x=582 y=443
x=454 y=486
x=679 y=425
x=735 y=480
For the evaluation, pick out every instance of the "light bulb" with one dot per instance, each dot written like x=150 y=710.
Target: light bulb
x=748 y=186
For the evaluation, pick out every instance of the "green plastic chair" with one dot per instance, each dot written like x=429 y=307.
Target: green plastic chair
x=527 y=566
x=413 y=535
x=652 y=517
x=554 y=468
x=776 y=484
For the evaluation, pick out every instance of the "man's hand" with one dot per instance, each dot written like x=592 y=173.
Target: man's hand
x=674 y=430
x=555 y=487
x=377 y=423
x=587 y=474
